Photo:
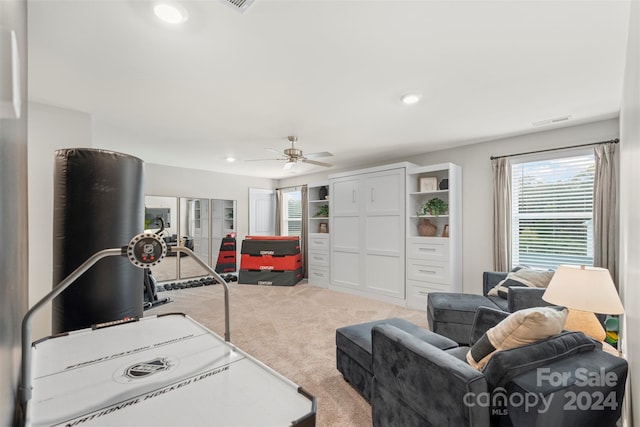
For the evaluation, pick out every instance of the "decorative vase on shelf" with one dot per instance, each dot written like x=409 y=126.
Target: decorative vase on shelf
x=323 y=192
x=426 y=228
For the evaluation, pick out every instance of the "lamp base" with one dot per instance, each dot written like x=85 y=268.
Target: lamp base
x=586 y=322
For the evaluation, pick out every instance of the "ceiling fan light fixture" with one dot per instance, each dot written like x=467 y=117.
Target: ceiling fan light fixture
x=171 y=13
x=294 y=155
x=288 y=165
x=411 y=98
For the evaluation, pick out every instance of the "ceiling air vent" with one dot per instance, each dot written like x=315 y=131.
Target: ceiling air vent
x=551 y=121
x=239 y=5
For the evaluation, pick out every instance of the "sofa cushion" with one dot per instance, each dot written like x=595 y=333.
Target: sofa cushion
x=451 y=314
x=520 y=328
x=459 y=353
x=456 y=307
x=486 y=318
x=508 y=364
x=500 y=302
x=522 y=277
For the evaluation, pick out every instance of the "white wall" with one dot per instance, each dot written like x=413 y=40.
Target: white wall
x=630 y=214
x=477 y=211
x=477 y=214
x=50 y=129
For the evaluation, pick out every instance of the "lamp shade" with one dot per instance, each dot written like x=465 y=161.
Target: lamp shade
x=584 y=288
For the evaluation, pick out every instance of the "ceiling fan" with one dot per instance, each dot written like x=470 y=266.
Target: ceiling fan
x=294 y=155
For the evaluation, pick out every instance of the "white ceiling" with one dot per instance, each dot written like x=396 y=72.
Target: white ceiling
x=331 y=72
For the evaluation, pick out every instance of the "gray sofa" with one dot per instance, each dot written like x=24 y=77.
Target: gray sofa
x=353 y=350
x=451 y=314
x=417 y=384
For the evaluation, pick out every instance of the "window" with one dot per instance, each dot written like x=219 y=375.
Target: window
x=552 y=211
x=291 y=214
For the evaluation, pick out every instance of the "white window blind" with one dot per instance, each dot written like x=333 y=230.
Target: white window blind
x=293 y=213
x=552 y=212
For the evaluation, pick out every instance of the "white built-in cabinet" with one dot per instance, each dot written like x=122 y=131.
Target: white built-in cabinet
x=318 y=260
x=367 y=223
x=434 y=263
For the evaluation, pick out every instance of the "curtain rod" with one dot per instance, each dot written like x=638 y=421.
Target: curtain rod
x=612 y=141
x=292 y=186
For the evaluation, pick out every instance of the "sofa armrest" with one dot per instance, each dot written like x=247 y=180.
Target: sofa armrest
x=490 y=279
x=583 y=390
x=507 y=364
x=521 y=297
x=419 y=378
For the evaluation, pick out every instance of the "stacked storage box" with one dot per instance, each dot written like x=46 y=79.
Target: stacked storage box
x=227 y=255
x=270 y=260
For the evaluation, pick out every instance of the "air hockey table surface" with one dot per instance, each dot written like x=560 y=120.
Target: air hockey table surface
x=164 y=370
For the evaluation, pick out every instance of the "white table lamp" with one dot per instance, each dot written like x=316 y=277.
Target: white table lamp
x=584 y=291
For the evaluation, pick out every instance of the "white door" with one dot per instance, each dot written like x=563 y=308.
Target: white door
x=262 y=212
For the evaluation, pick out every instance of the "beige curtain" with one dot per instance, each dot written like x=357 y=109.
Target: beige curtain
x=278 y=212
x=501 y=214
x=605 y=224
x=304 y=198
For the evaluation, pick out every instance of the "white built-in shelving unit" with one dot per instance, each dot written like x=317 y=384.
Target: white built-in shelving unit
x=318 y=261
x=434 y=263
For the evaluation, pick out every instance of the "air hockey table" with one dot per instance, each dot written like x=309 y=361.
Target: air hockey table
x=164 y=370
x=158 y=371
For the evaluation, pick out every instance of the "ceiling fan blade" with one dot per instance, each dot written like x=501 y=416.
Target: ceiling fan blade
x=321 y=154
x=274 y=151
x=313 y=162
x=259 y=160
x=288 y=166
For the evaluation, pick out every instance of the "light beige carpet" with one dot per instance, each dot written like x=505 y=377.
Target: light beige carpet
x=292 y=330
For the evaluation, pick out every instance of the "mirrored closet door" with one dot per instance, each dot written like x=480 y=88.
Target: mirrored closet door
x=196 y=223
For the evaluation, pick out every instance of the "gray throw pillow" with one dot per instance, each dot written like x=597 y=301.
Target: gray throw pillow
x=522 y=277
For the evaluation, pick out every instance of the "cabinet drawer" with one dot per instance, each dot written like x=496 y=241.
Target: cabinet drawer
x=432 y=249
x=319 y=241
x=318 y=275
x=428 y=271
x=318 y=258
x=417 y=293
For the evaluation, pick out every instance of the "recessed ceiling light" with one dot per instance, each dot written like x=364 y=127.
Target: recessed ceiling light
x=231 y=159
x=411 y=98
x=171 y=13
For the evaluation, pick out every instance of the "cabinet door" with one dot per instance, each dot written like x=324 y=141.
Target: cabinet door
x=384 y=244
x=346 y=251
x=384 y=192
x=345 y=196
x=385 y=275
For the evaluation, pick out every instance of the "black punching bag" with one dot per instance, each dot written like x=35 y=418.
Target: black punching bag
x=98 y=204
